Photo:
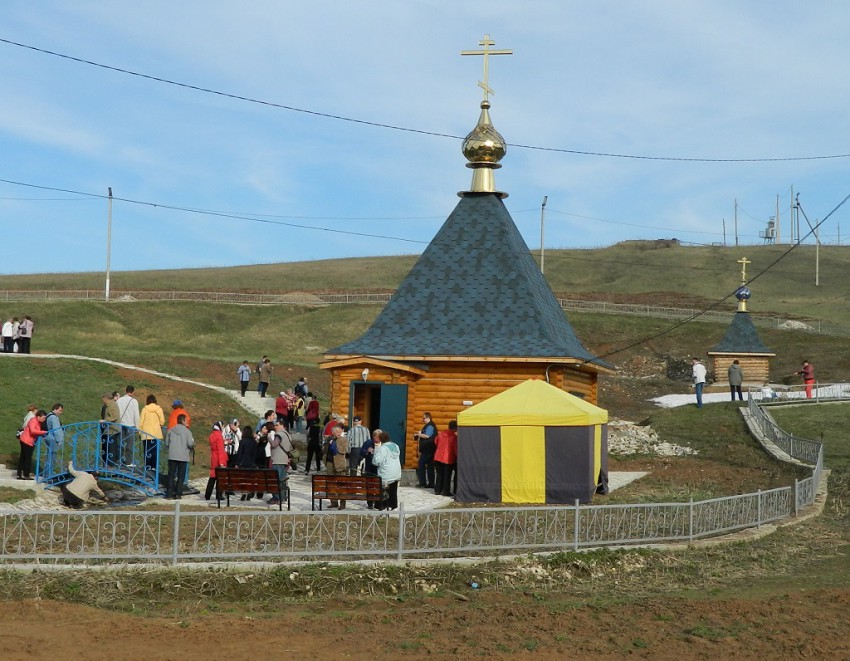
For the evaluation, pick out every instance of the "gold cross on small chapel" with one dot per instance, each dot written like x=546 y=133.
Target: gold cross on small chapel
x=743 y=262
x=486 y=52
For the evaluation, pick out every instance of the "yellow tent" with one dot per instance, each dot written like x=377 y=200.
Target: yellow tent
x=533 y=443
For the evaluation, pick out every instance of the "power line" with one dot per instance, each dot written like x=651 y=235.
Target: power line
x=219 y=214
x=729 y=295
x=556 y=254
x=407 y=129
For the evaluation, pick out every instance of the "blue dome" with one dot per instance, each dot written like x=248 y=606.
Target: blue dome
x=743 y=294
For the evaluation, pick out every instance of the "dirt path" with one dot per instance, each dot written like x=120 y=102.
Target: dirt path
x=795 y=625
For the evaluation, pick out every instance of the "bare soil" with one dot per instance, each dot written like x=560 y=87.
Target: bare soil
x=795 y=625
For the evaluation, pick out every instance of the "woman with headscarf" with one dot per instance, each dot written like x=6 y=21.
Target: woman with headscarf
x=218 y=457
x=246 y=457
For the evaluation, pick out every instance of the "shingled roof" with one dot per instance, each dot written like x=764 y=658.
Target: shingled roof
x=475 y=291
x=741 y=337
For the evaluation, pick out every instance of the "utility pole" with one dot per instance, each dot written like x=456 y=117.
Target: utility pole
x=816 y=230
x=817 y=253
x=736 y=221
x=542 y=218
x=791 y=215
x=724 y=232
x=778 y=236
x=798 y=217
x=108 y=241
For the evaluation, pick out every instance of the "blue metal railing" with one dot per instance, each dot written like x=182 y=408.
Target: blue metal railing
x=118 y=453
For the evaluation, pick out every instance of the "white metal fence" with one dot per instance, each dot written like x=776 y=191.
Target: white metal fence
x=320 y=298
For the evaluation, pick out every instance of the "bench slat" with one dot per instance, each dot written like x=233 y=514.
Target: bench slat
x=346 y=487
x=250 y=480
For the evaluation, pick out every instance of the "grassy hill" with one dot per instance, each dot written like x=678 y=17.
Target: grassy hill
x=652 y=272
x=207 y=340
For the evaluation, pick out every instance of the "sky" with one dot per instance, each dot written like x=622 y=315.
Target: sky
x=637 y=120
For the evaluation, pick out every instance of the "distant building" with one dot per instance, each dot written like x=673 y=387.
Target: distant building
x=742 y=342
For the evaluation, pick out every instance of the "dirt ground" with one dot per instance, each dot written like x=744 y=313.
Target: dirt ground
x=799 y=625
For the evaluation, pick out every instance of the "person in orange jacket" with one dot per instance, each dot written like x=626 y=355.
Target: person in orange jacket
x=177 y=409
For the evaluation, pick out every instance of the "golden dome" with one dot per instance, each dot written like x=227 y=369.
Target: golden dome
x=484 y=144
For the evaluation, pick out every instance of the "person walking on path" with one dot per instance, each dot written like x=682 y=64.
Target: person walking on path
x=179 y=442
x=425 y=437
x=736 y=379
x=218 y=457
x=807 y=371
x=76 y=492
x=31 y=433
x=8 y=335
x=357 y=437
x=151 y=422
x=25 y=335
x=244 y=374
x=265 y=370
x=388 y=465
x=699 y=379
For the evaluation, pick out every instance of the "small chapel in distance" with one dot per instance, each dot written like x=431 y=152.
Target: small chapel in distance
x=474 y=317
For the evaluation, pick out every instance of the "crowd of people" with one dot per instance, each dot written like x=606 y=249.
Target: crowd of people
x=17 y=334
x=132 y=437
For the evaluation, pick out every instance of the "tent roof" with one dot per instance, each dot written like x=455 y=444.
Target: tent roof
x=476 y=292
x=533 y=402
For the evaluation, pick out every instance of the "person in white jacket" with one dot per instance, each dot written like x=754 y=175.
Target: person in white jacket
x=699 y=379
x=128 y=409
x=386 y=461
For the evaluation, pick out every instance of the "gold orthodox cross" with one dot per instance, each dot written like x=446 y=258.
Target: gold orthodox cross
x=743 y=262
x=486 y=52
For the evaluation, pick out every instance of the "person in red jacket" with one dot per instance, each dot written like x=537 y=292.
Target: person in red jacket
x=30 y=434
x=281 y=409
x=445 y=461
x=218 y=457
x=807 y=371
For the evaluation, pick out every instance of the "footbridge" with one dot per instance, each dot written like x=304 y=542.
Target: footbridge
x=118 y=453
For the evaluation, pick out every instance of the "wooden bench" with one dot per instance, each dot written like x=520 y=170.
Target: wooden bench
x=346 y=487
x=250 y=480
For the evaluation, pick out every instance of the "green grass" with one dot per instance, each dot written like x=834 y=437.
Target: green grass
x=78 y=385
x=660 y=274
x=825 y=422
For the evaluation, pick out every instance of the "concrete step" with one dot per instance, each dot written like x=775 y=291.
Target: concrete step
x=9 y=479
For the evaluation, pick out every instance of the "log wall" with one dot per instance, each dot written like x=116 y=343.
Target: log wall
x=756 y=369
x=446 y=387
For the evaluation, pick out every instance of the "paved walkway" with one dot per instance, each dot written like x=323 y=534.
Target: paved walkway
x=414 y=499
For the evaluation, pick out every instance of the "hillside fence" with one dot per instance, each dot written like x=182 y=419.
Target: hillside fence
x=365 y=298
x=178 y=537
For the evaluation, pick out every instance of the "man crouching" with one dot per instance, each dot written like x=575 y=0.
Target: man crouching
x=76 y=492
